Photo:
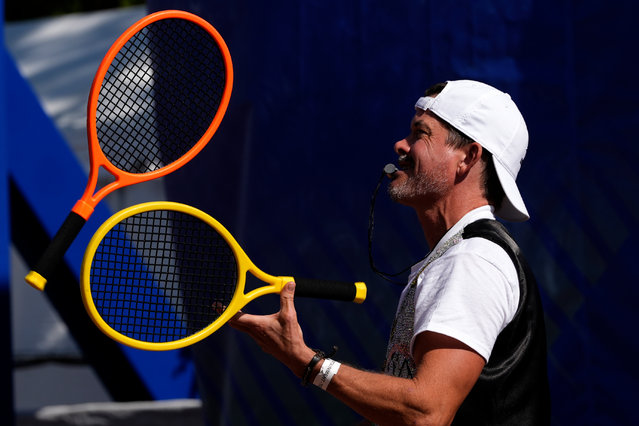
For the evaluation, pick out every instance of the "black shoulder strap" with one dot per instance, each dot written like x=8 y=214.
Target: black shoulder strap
x=494 y=231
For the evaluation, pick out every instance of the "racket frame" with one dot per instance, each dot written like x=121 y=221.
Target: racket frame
x=90 y=198
x=239 y=300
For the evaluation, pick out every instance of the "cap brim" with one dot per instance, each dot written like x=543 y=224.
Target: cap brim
x=512 y=207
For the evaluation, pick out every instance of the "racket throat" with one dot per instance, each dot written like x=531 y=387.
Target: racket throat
x=108 y=181
x=276 y=285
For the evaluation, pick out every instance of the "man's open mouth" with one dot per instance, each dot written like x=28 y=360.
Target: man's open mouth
x=405 y=162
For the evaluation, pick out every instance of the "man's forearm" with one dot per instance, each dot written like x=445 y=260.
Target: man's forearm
x=383 y=399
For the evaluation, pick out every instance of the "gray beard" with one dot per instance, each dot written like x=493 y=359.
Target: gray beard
x=419 y=186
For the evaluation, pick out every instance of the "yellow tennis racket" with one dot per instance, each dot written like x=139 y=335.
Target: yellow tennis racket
x=162 y=275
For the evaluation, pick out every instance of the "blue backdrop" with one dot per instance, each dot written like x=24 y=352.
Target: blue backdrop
x=323 y=90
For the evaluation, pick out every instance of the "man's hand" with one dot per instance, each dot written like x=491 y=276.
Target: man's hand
x=279 y=334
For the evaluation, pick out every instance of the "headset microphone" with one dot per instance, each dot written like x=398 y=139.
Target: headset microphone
x=389 y=169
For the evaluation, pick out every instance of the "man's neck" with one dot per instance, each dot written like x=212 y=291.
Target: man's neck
x=438 y=218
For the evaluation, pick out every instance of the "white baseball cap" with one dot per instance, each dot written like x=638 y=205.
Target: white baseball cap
x=491 y=118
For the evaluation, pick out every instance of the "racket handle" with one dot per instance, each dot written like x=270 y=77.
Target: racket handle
x=334 y=290
x=55 y=251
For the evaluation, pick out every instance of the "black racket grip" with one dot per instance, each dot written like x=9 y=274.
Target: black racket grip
x=334 y=290
x=54 y=253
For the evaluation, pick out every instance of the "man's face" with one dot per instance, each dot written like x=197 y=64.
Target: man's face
x=427 y=165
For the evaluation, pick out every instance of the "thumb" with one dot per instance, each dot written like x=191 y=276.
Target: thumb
x=287 y=297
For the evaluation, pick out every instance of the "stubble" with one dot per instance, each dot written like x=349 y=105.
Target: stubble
x=419 y=186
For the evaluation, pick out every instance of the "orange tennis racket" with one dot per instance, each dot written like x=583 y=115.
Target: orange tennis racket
x=156 y=100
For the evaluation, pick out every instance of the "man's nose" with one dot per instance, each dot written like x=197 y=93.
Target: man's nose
x=402 y=147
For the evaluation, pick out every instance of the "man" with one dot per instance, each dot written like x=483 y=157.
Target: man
x=468 y=341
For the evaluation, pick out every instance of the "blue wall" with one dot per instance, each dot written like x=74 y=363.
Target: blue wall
x=322 y=91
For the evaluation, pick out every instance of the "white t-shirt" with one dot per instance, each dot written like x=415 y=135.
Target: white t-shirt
x=470 y=293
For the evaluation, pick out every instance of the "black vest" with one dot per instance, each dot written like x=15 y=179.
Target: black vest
x=513 y=386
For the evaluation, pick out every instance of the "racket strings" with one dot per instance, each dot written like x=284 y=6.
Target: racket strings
x=161 y=276
x=160 y=95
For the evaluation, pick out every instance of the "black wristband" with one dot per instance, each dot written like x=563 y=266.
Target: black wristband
x=319 y=355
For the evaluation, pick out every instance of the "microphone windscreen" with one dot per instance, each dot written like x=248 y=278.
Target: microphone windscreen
x=390 y=168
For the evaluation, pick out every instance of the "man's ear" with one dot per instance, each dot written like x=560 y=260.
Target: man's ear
x=472 y=154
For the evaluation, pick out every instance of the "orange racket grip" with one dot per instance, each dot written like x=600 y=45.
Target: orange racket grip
x=334 y=290
x=37 y=277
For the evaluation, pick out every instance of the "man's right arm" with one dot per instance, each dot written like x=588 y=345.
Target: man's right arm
x=446 y=372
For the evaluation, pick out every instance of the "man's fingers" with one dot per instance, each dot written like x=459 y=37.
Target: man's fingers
x=241 y=321
x=220 y=307
x=256 y=325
